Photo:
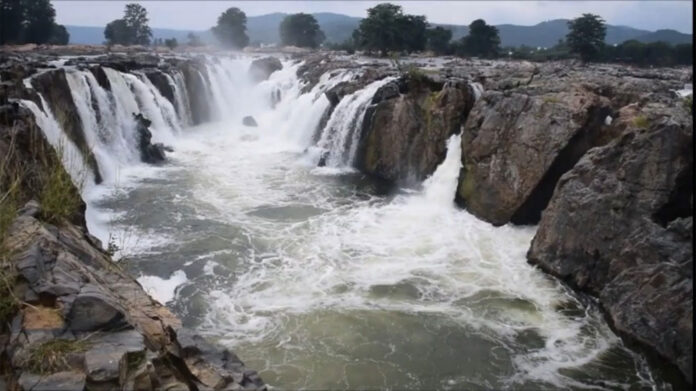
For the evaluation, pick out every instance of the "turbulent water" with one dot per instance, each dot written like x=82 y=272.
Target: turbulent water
x=319 y=277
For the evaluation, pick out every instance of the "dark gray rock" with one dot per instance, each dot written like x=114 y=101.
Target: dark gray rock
x=619 y=226
x=93 y=310
x=149 y=152
x=60 y=381
x=249 y=121
x=262 y=68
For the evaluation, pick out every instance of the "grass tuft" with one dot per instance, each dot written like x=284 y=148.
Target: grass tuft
x=641 y=122
x=52 y=356
x=59 y=198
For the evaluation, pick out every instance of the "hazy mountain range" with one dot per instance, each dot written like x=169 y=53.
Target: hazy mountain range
x=337 y=27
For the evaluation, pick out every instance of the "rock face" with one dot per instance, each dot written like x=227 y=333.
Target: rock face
x=516 y=145
x=262 y=68
x=405 y=133
x=619 y=225
x=149 y=152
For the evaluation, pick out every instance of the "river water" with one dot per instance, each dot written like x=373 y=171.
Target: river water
x=320 y=277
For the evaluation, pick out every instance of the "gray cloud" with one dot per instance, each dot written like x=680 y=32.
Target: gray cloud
x=200 y=15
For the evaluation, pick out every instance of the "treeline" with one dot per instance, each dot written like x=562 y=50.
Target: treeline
x=30 y=21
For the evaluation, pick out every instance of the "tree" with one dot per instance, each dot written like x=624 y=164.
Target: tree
x=30 y=21
x=193 y=40
x=439 y=39
x=59 y=35
x=171 y=43
x=118 y=32
x=231 y=29
x=132 y=29
x=136 y=20
x=387 y=28
x=301 y=30
x=482 y=41
x=586 y=36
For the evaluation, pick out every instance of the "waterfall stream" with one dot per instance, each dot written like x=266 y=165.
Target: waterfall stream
x=322 y=278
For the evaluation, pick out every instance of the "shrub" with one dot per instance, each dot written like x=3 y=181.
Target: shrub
x=59 y=197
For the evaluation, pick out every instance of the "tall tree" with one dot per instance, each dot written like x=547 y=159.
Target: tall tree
x=136 y=19
x=439 y=39
x=231 y=29
x=119 y=33
x=301 y=30
x=483 y=40
x=30 y=21
x=586 y=36
x=193 y=40
x=388 y=28
x=11 y=21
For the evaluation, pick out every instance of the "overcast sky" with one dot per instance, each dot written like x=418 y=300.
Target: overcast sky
x=200 y=15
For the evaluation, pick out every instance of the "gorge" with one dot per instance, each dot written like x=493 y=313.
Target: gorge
x=383 y=224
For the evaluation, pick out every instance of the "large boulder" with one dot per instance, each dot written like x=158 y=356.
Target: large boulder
x=262 y=68
x=149 y=152
x=405 y=132
x=516 y=145
x=619 y=226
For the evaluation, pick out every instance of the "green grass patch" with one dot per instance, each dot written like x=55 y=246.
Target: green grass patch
x=51 y=356
x=59 y=197
x=689 y=103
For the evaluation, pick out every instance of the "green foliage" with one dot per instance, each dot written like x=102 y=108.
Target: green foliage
x=231 y=29
x=586 y=36
x=483 y=40
x=348 y=45
x=387 y=28
x=30 y=21
x=132 y=29
x=52 y=356
x=59 y=198
x=301 y=30
x=171 y=43
x=439 y=40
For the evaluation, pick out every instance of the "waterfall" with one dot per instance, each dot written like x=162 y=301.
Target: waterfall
x=440 y=188
x=341 y=134
x=183 y=106
x=69 y=154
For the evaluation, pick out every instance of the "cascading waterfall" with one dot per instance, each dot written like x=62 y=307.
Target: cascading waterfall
x=319 y=281
x=341 y=135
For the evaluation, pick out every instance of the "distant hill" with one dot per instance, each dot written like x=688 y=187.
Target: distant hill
x=671 y=36
x=338 y=28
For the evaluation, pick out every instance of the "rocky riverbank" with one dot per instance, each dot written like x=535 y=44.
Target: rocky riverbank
x=600 y=157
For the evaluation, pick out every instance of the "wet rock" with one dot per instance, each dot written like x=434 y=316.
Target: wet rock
x=195 y=79
x=149 y=153
x=619 y=226
x=516 y=145
x=262 y=68
x=249 y=121
x=60 y=381
x=161 y=82
x=404 y=135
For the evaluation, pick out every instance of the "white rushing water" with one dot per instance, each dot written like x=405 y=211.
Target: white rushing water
x=319 y=278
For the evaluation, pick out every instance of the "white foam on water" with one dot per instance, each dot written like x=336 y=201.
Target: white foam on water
x=163 y=290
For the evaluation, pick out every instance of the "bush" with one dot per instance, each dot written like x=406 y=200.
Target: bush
x=59 y=198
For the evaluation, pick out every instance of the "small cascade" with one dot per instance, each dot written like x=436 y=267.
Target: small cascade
x=440 y=188
x=70 y=156
x=477 y=88
x=183 y=106
x=341 y=134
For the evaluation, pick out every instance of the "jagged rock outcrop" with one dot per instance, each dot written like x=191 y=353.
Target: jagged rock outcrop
x=262 y=68
x=72 y=319
x=160 y=81
x=149 y=152
x=405 y=133
x=516 y=145
x=194 y=75
x=620 y=226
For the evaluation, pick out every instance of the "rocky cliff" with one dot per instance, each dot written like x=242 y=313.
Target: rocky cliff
x=71 y=318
